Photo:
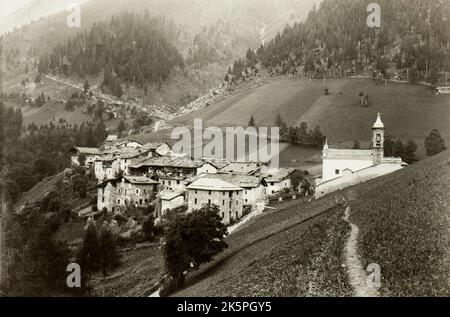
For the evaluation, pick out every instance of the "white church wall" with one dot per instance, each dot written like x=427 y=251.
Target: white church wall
x=350 y=179
x=331 y=166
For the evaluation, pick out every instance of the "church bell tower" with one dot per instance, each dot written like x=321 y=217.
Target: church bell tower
x=378 y=141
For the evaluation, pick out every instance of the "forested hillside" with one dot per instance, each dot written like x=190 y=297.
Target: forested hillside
x=335 y=40
x=32 y=153
x=129 y=48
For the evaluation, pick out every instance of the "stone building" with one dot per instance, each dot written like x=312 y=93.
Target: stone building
x=254 y=187
x=106 y=167
x=171 y=171
x=278 y=180
x=87 y=153
x=170 y=200
x=124 y=191
x=214 y=191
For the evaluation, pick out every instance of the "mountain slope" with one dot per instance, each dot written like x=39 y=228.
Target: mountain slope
x=235 y=24
x=298 y=250
x=336 y=40
x=339 y=114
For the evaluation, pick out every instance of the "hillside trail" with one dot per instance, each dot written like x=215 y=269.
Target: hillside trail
x=357 y=274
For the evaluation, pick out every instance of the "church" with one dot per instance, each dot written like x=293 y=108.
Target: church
x=342 y=168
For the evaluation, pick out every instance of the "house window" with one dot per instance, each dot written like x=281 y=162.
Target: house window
x=209 y=193
x=178 y=182
x=195 y=192
x=223 y=202
x=170 y=183
x=103 y=199
x=246 y=192
x=137 y=191
x=237 y=202
x=118 y=201
x=195 y=201
x=271 y=184
x=246 y=200
x=336 y=172
x=140 y=201
x=223 y=215
x=209 y=201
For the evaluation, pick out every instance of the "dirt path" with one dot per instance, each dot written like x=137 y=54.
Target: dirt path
x=355 y=270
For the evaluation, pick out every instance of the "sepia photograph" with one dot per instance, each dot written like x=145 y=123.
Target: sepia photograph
x=241 y=149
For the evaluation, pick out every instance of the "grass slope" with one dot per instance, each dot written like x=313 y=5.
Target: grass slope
x=408 y=111
x=141 y=269
x=304 y=260
x=404 y=221
x=405 y=228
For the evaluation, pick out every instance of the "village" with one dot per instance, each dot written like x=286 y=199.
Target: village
x=133 y=174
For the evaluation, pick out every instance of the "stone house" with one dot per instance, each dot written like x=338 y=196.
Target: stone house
x=171 y=172
x=278 y=180
x=89 y=154
x=116 y=160
x=124 y=191
x=214 y=191
x=170 y=200
x=254 y=187
x=106 y=167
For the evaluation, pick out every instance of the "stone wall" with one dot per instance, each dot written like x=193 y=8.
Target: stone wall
x=350 y=179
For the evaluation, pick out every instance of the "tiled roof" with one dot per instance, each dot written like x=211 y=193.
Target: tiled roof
x=216 y=184
x=152 y=145
x=348 y=153
x=241 y=168
x=106 y=158
x=169 y=161
x=133 y=153
x=277 y=175
x=244 y=181
x=216 y=163
x=140 y=180
x=89 y=150
x=169 y=195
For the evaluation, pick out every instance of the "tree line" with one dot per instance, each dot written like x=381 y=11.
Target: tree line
x=300 y=135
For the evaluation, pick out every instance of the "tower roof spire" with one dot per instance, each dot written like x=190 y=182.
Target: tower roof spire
x=378 y=124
